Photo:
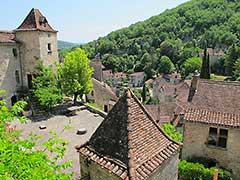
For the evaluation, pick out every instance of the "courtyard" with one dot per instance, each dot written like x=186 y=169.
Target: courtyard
x=82 y=119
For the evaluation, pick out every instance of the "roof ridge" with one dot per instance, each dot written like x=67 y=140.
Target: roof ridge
x=220 y=82
x=131 y=165
x=152 y=119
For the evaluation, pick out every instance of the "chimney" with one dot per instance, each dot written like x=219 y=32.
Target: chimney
x=194 y=85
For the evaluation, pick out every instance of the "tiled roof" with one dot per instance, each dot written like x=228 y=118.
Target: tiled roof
x=217 y=96
x=214 y=118
x=137 y=74
x=7 y=37
x=35 y=21
x=105 y=90
x=129 y=136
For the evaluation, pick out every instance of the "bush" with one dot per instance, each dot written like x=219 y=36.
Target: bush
x=171 y=131
x=190 y=66
x=197 y=171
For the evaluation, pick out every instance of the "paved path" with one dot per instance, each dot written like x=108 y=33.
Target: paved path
x=83 y=119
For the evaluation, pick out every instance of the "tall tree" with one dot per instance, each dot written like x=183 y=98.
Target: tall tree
x=205 y=71
x=76 y=74
x=144 y=93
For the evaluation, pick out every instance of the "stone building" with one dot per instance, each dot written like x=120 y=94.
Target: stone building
x=129 y=145
x=213 y=135
x=102 y=95
x=212 y=122
x=136 y=79
x=20 y=51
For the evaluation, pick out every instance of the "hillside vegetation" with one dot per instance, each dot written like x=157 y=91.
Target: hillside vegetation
x=179 y=34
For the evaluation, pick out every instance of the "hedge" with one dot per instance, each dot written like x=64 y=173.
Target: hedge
x=196 y=171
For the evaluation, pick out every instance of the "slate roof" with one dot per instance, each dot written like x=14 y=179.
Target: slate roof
x=218 y=96
x=7 y=37
x=129 y=143
x=213 y=118
x=35 y=21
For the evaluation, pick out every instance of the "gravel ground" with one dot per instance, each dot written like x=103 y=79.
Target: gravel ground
x=83 y=119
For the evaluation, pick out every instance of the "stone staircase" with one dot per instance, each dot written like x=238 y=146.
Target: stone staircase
x=38 y=112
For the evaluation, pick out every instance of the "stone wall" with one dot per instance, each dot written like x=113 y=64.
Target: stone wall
x=169 y=171
x=8 y=66
x=94 y=171
x=34 y=47
x=48 y=57
x=195 y=144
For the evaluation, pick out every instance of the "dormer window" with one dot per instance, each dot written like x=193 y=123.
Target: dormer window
x=49 y=48
x=42 y=21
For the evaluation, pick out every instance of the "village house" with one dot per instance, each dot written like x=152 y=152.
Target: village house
x=129 y=145
x=167 y=88
x=115 y=78
x=136 y=79
x=212 y=122
x=214 y=55
x=20 y=51
x=213 y=135
x=102 y=95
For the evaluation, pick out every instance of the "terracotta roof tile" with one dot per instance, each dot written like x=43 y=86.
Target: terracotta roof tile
x=222 y=96
x=211 y=117
x=130 y=139
x=35 y=21
x=7 y=37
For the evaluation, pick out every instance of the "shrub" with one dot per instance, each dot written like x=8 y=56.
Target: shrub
x=197 y=171
x=171 y=131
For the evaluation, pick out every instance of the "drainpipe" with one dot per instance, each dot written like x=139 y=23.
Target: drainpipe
x=21 y=70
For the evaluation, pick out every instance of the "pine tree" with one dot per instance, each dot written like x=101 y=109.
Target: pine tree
x=205 y=71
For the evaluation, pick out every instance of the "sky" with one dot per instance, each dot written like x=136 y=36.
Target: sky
x=81 y=21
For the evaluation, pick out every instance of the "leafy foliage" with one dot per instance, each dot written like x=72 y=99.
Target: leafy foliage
x=178 y=33
x=76 y=74
x=196 y=171
x=20 y=159
x=237 y=70
x=171 y=131
x=190 y=66
x=46 y=87
x=165 y=65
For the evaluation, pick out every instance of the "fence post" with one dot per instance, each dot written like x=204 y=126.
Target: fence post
x=215 y=174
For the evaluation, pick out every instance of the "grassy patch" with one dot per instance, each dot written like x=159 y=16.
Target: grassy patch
x=95 y=106
x=218 y=77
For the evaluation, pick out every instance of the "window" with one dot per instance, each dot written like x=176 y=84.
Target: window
x=17 y=77
x=14 y=51
x=92 y=93
x=49 y=48
x=218 y=137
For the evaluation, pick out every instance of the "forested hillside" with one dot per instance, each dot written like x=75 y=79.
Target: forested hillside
x=179 y=34
x=65 y=45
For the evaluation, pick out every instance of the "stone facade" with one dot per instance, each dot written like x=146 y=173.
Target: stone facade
x=20 y=51
x=169 y=171
x=102 y=95
x=9 y=69
x=93 y=171
x=196 y=144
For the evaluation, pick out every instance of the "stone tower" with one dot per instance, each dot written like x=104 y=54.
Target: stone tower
x=38 y=40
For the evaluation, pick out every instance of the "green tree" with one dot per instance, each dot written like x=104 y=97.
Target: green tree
x=233 y=54
x=76 y=74
x=205 y=70
x=165 y=65
x=46 y=87
x=144 y=93
x=20 y=159
x=236 y=71
x=190 y=66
